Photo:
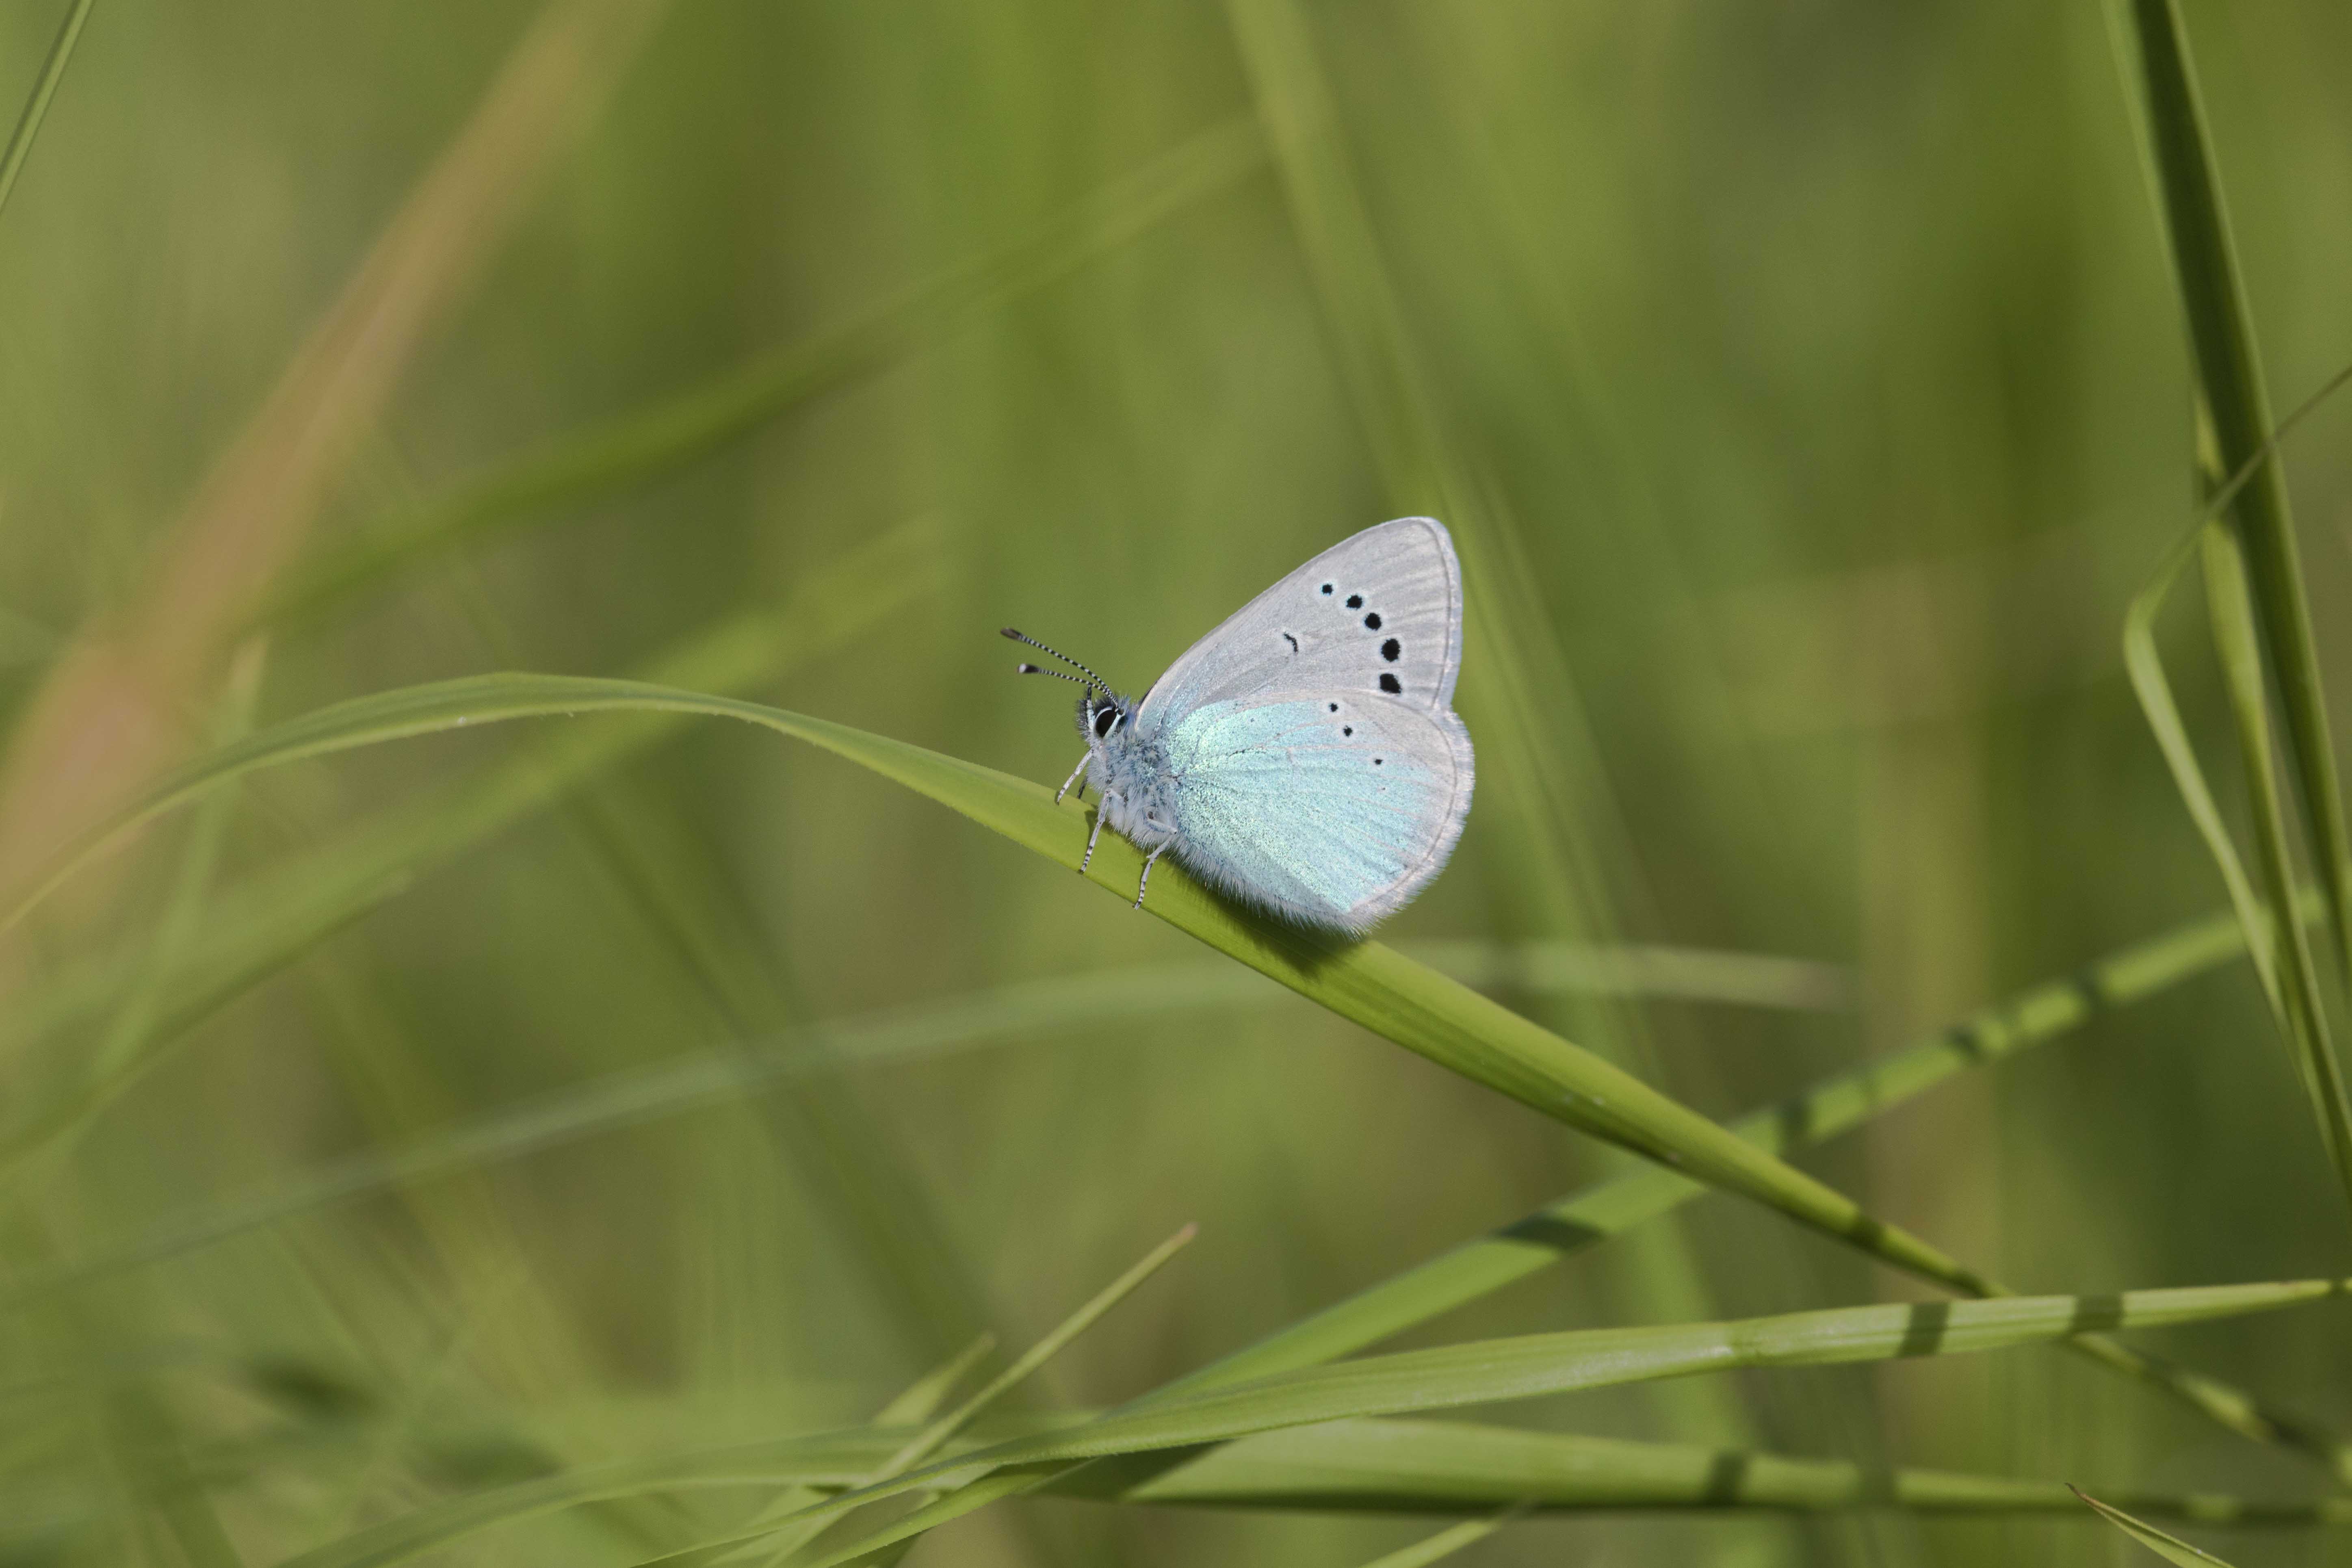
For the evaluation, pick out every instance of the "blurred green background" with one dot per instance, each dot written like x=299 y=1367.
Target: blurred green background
x=1817 y=367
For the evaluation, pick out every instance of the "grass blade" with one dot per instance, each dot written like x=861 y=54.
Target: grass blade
x=936 y=1434
x=2305 y=1016
x=1436 y=1465
x=2170 y=1548
x=1360 y=1466
x=636 y=447
x=37 y=108
x=1445 y=1543
x=2180 y=153
x=1538 y=1365
x=1375 y=985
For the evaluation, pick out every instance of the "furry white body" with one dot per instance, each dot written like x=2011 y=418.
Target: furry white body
x=1305 y=756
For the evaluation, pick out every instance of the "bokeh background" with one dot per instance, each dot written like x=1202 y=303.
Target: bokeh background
x=1811 y=374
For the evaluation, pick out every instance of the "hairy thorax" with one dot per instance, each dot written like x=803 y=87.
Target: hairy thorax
x=1135 y=793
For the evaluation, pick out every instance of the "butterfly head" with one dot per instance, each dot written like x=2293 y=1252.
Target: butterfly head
x=1101 y=714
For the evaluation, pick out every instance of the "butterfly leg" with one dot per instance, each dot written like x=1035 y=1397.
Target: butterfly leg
x=1077 y=776
x=1146 y=879
x=1087 y=858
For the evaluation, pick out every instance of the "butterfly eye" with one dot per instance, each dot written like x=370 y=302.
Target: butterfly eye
x=1105 y=717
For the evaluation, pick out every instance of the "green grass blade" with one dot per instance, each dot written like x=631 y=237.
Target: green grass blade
x=933 y=1438
x=1406 y=1002
x=36 y=107
x=638 y=446
x=936 y=1434
x=1445 y=1543
x=1641 y=970
x=2144 y=665
x=2170 y=1548
x=2305 y=1016
x=1366 y=1464
x=1538 y=1364
x=918 y=1403
x=2180 y=153
x=1373 y=1464
x=1584 y=1219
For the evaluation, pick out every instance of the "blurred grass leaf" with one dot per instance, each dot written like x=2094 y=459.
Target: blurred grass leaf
x=634 y=449
x=2170 y=1548
x=254 y=930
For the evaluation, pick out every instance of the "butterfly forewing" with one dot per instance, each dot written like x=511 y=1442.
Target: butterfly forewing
x=1379 y=613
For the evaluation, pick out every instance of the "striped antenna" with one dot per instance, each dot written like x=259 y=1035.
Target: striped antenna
x=1091 y=678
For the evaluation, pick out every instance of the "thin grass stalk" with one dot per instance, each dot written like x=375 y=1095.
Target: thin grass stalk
x=1540 y=761
x=45 y=88
x=2179 y=149
x=1442 y=1545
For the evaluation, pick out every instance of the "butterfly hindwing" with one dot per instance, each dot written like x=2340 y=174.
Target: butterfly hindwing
x=1379 y=613
x=1333 y=809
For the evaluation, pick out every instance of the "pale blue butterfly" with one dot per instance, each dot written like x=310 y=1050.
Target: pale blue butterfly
x=1304 y=757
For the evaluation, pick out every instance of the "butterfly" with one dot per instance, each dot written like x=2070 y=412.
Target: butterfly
x=1305 y=757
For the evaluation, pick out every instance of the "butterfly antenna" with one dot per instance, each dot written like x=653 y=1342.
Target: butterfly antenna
x=1091 y=678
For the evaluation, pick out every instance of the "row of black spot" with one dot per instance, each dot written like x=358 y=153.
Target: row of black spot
x=1391 y=650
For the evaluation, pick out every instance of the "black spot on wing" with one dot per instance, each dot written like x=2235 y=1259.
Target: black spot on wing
x=1326 y=587
x=1390 y=684
x=1391 y=651
x=1291 y=640
x=1355 y=601
x=1372 y=622
x=1347 y=729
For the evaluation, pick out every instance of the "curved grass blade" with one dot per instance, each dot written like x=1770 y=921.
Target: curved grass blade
x=1376 y=986
x=2178 y=151
x=1537 y=1364
x=636 y=447
x=36 y=107
x=2170 y=1548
